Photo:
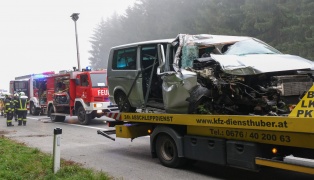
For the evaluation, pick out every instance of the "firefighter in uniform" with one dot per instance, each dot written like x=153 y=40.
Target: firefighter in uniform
x=9 y=109
x=2 y=106
x=21 y=107
x=4 y=111
x=15 y=100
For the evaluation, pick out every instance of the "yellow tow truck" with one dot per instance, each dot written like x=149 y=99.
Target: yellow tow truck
x=249 y=142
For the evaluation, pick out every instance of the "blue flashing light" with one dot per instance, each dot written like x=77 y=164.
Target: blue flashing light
x=38 y=76
x=88 y=68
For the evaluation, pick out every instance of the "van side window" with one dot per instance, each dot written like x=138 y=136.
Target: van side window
x=151 y=82
x=148 y=55
x=124 y=59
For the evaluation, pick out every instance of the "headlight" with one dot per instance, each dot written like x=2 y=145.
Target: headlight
x=97 y=105
x=99 y=111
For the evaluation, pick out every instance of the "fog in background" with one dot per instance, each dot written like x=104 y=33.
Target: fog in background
x=39 y=35
x=286 y=25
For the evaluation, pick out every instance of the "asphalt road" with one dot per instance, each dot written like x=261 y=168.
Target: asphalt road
x=122 y=158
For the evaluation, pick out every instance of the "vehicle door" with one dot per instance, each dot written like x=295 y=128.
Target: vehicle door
x=124 y=74
x=149 y=65
x=83 y=87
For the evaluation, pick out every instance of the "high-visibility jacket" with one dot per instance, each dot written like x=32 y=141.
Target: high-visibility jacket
x=9 y=105
x=21 y=103
x=2 y=104
x=15 y=100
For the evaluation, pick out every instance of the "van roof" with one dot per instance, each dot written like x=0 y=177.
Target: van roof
x=145 y=42
x=197 y=38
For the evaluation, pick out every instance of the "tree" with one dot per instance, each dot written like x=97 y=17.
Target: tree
x=288 y=25
x=297 y=36
x=97 y=58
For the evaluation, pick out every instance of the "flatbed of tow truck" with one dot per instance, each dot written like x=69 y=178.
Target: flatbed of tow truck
x=240 y=141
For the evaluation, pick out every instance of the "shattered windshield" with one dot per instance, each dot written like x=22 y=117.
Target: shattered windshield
x=250 y=46
x=98 y=80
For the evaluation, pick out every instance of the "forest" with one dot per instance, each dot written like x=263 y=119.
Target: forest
x=287 y=25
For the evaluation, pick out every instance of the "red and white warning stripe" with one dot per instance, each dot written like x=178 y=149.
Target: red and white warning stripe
x=116 y=116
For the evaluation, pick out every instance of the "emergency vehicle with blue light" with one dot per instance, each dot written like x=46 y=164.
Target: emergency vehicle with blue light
x=35 y=87
x=77 y=93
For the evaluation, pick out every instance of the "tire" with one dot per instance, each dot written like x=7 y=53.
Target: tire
x=33 y=110
x=123 y=103
x=81 y=116
x=167 y=152
x=55 y=118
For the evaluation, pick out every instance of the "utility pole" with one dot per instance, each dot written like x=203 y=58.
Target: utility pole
x=75 y=17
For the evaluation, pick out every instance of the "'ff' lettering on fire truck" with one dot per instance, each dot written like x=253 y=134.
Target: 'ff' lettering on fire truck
x=307 y=103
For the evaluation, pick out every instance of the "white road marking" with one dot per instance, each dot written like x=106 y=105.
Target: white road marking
x=32 y=118
x=84 y=126
x=103 y=129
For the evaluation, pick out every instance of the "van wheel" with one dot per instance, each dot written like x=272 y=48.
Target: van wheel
x=123 y=103
x=167 y=152
x=55 y=118
x=81 y=113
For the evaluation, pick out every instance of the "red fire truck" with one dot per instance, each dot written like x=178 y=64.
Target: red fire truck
x=77 y=93
x=35 y=87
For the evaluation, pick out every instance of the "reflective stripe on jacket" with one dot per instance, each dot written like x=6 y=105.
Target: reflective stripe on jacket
x=21 y=104
x=9 y=105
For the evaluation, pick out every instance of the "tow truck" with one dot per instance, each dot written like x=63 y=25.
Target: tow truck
x=212 y=98
x=247 y=142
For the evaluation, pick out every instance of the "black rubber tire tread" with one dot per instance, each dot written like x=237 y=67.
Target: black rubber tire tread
x=123 y=103
x=167 y=152
x=81 y=116
x=56 y=118
x=33 y=111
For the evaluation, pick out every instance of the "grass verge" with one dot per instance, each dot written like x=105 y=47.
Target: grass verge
x=18 y=161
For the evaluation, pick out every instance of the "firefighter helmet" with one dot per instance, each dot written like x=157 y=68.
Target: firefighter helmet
x=7 y=95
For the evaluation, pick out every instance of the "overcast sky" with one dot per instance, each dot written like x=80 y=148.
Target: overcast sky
x=39 y=35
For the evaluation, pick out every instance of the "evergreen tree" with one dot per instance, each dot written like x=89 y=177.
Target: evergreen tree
x=97 y=59
x=288 y=25
x=297 y=36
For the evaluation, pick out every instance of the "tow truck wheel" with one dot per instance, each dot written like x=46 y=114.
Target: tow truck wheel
x=167 y=152
x=123 y=103
x=54 y=117
x=33 y=110
x=81 y=116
